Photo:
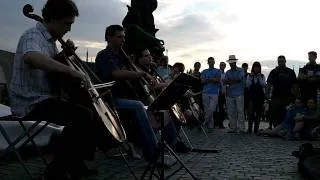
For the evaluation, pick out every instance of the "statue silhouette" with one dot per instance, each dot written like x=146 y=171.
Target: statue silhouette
x=140 y=28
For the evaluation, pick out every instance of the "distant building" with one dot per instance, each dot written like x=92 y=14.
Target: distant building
x=6 y=59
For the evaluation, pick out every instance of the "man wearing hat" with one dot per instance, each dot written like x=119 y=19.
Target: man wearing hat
x=235 y=81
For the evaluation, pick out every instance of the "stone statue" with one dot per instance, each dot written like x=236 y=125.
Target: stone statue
x=140 y=28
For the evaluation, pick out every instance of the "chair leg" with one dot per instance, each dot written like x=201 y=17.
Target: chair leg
x=185 y=135
x=127 y=164
x=125 y=161
x=11 y=147
x=34 y=143
x=203 y=130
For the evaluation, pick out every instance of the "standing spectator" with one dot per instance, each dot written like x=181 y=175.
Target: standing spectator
x=246 y=101
x=197 y=89
x=309 y=78
x=235 y=95
x=282 y=80
x=163 y=69
x=210 y=79
x=256 y=83
x=221 y=112
x=196 y=70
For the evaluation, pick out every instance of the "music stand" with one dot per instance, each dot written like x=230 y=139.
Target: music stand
x=193 y=81
x=166 y=99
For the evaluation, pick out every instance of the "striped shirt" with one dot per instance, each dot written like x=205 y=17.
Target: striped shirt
x=27 y=85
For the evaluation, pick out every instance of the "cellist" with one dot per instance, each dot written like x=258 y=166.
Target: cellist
x=145 y=62
x=32 y=97
x=110 y=65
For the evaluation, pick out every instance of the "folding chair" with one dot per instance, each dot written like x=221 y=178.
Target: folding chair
x=28 y=134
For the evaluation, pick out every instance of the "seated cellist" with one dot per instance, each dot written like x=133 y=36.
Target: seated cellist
x=110 y=65
x=32 y=97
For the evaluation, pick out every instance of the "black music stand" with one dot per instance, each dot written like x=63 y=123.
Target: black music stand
x=166 y=99
x=193 y=81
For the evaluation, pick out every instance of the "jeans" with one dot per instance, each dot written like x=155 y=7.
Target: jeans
x=210 y=102
x=145 y=132
x=146 y=135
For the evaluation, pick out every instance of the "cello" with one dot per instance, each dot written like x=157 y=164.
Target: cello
x=175 y=110
x=84 y=93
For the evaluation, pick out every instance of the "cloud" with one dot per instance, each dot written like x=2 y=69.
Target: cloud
x=193 y=29
x=187 y=32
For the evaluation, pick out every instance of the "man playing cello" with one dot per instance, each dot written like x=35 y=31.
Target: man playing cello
x=32 y=96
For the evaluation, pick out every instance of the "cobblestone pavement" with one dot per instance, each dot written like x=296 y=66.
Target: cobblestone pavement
x=242 y=157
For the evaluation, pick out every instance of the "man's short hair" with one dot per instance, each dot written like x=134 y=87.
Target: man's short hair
x=244 y=65
x=139 y=53
x=196 y=63
x=210 y=58
x=59 y=9
x=313 y=53
x=281 y=57
x=179 y=65
x=111 y=30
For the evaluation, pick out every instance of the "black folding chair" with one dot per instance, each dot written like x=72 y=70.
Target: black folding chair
x=27 y=135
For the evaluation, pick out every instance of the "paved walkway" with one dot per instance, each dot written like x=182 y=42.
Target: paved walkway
x=243 y=156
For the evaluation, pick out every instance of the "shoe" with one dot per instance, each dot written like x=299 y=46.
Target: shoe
x=79 y=169
x=55 y=171
x=132 y=152
x=181 y=148
x=231 y=131
x=169 y=161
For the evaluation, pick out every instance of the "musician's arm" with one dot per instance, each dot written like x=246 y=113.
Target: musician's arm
x=161 y=85
x=106 y=66
x=39 y=61
x=34 y=57
x=121 y=74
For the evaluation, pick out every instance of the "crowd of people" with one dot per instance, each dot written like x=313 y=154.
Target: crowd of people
x=239 y=95
x=32 y=94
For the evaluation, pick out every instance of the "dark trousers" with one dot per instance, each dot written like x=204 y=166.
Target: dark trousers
x=255 y=114
x=82 y=132
x=221 y=112
x=278 y=110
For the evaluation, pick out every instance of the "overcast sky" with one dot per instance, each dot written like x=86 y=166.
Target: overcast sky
x=193 y=30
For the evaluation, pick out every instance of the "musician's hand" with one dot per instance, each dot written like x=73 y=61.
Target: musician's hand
x=70 y=49
x=79 y=76
x=141 y=74
x=70 y=44
x=153 y=64
x=152 y=79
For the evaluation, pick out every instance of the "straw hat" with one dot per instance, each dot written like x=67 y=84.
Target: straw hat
x=232 y=59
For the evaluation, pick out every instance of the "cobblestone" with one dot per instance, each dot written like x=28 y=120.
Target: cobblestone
x=242 y=157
